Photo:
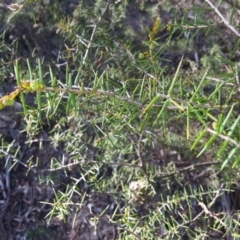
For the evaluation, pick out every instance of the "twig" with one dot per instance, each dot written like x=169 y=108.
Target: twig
x=138 y=148
x=208 y=212
x=85 y=42
x=195 y=26
x=223 y=19
x=222 y=81
x=94 y=91
x=237 y=78
x=224 y=137
x=94 y=31
x=190 y=167
x=205 y=209
x=15 y=159
x=139 y=151
x=72 y=165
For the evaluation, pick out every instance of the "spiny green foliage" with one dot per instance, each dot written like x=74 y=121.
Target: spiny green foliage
x=117 y=103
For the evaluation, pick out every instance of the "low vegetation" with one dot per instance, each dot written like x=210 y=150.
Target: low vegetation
x=119 y=120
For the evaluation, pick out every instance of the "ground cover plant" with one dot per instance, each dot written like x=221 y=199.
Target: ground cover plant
x=119 y=120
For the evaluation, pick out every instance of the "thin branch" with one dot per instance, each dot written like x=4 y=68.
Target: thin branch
x=94 y=31
x=93 y=91
x=84 y=90
x=13 y=157
x=190 y=167
x=223 y=137
x=208 y=212
x=233 y=29
x=73 y=165
x=221 y=81
x=195 y=26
